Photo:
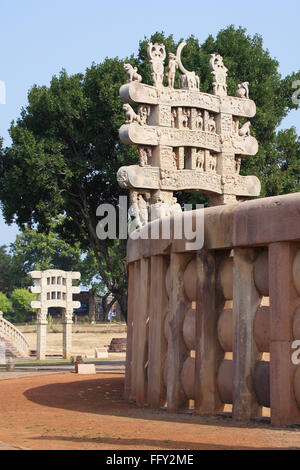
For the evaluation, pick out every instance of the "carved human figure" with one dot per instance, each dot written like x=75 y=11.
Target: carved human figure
x=200 y=160
x=175 y=208
x=211 y=162
x=145 y=153
x=243 y=90
x=186 y=113
x=173 y=117
x=131 y=72
x=138 y=211
x=199 y=121
x=245 y=129
x=130 y=115
x=171 y=69
x=211 y=124
x=143 y=210
x=144 y=112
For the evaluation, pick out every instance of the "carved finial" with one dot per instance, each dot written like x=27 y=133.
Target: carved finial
x=131 y=72
x=188 y=80
x=243 y=90
x=157 y=54
x=219 y=72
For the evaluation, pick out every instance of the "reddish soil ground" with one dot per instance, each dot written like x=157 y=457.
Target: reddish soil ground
x=67 y=411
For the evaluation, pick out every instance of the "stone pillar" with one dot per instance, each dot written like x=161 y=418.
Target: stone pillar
x=177 y=350
x=157 y=341
x=130 y=313
x=142 y=327
x=41 y=334
x=284 y=301
x=135 y=331
x=246 y=301
x=209 y=353
x=67 y=334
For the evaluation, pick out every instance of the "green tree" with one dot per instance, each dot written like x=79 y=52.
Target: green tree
x=39 y=251
x=12 y=272
x=5 y=304
x=63 y=161
x=66 y=148
x=20 y=299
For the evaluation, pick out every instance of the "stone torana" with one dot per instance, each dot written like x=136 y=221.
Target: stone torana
x=54 y=288
x=187 y=140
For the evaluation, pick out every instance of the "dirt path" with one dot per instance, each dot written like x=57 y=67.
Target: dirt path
x=67 y=411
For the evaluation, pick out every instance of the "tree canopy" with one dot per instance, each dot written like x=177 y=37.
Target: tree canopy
x=66 y=150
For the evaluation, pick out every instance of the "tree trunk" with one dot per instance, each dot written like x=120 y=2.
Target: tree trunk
x=92 y=305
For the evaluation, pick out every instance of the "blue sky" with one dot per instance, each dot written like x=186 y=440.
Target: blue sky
x=39 y=38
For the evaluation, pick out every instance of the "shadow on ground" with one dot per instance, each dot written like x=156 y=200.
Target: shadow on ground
x=148 y=443
x=104 y=396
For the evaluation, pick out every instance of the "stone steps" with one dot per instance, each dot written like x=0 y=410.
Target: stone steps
x=7 y=349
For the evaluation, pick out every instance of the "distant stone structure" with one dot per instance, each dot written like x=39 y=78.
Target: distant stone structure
x=187 y=140
x=54 y=289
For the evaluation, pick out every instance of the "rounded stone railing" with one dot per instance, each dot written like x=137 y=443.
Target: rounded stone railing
x=10 y=332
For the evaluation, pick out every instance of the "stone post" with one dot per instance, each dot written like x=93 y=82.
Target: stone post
x=209 y=353
x=67 y=334
x=246 y=301
x=177 y=350
x=41 y=334
x=142 y=340
x=158 y=309
x=284 y=301
x=128 y=367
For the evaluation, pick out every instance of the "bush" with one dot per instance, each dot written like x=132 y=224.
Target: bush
x=5 y=304
x=20 y=301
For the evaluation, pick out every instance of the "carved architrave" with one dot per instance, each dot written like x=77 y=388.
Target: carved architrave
x=135 y=92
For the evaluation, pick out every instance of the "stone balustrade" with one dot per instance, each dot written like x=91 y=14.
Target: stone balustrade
x=10 y=332
x=217 y=326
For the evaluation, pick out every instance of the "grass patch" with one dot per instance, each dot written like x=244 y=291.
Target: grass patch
x=61 y=362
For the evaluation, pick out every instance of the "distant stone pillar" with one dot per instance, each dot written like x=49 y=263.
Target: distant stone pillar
x=67 y=334
x=41 y=333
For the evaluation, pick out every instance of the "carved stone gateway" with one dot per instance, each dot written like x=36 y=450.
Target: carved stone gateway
x=54 y=288
x=187 y=140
